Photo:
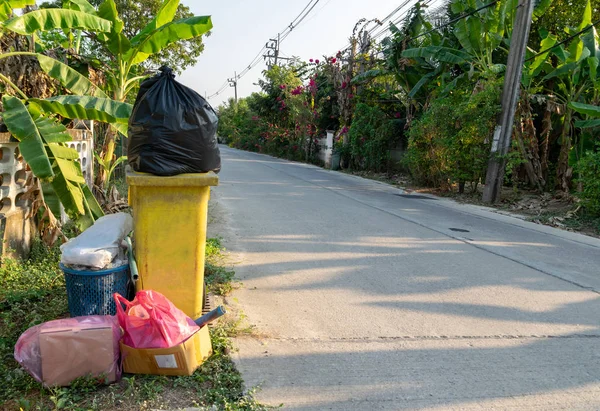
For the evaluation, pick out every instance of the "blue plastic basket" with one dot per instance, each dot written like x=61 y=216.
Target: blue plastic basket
x=91 y=292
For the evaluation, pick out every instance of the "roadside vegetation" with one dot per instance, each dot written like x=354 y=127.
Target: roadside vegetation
x=421 y=100
x=33 y=291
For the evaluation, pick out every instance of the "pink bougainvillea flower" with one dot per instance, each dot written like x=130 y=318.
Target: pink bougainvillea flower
x=351 y=96
x=311 y=60
x=282 y=87
x=317 y=61
x=344 y=84
x=297 y=90
x=398 y=115
x=333 y=60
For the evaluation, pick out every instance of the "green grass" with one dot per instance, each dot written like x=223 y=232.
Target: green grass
x=32 y=292
x=219 y=279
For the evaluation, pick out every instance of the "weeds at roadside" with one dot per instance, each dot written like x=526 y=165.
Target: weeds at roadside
x=32 y=292
x=219 y=279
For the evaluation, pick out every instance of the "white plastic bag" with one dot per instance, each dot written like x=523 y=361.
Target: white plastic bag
x=97 y=246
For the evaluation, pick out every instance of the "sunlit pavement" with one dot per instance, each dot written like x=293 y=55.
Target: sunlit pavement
x=365 y=297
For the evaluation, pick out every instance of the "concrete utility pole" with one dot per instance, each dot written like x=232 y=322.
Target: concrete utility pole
x=510 y=94
x=272 y=52
x=233 y=83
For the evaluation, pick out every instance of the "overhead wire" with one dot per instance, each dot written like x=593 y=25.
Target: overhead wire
x=283 y=34
x=592 y=25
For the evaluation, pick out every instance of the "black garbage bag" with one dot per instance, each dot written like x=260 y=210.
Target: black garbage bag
x=172 y=129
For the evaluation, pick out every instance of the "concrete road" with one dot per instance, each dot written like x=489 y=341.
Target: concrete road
x=365 y=297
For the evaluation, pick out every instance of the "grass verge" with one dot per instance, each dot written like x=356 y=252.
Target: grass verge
x=33 y=291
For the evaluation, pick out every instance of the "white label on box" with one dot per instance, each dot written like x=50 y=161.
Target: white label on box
x=166 y=361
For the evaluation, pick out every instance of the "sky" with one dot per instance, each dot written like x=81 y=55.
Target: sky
x=242 y=27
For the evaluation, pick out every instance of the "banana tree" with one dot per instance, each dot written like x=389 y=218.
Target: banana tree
x=126 y=54
x=478 y=36
x=41 y=137
x=575 y=77
x=104 y=26
x=42 y=143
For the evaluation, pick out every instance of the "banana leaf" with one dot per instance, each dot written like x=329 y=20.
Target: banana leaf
x=50 y=198
x=155 y=41
x=52 y=131
x=116 y=41
x=63 y=152
x=69 y=194
x=68 y=77
x=51 y=19
x=22 y=126
x=89 y=108
x=536 y=66
x=439 y=53
x=587 y=123
x=165 y=15
x=562 y=70
x=92 y=203
x=590 y=110
x=70 y=170
x=79 y=5
x=369 y=75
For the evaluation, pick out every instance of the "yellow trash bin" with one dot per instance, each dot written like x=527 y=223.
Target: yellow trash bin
x=170 y=216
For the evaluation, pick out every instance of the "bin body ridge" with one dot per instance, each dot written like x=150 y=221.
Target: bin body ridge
x=170 y=219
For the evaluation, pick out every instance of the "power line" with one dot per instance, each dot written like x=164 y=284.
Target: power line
x=257 y=59
x=564 y=41
x=316 y=13
x=384 y=20
x=292 y=26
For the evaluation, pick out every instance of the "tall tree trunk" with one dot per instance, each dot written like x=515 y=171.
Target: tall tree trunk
x=546 y=131
x=526 y=139
x=564 y=173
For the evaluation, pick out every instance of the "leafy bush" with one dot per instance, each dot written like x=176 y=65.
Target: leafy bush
x=589 y=171
x=451 y=141
x=371 y=136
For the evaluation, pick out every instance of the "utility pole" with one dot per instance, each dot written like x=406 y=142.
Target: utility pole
x=272 y=52
x=510 y=94
x=233 y=83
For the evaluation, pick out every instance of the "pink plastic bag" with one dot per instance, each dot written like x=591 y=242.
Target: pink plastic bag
x=152 y=321
x=57 y=352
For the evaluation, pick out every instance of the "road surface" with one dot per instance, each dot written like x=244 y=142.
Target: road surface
x=366 y=297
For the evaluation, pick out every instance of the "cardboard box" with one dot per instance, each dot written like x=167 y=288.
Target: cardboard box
x=68 y=353
x=183 y=359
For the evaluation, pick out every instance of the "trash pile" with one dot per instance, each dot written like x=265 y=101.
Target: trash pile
x=150 y=336
x=113 y=329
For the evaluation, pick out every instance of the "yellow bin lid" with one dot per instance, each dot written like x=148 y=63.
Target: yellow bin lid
x=182 y=180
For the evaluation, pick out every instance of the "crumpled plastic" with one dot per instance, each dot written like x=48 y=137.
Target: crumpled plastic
x=172 y=129
x=76 y=358
x=98 y=246
x=152 y=321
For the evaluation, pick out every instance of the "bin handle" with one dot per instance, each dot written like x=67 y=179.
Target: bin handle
x=133 y=269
